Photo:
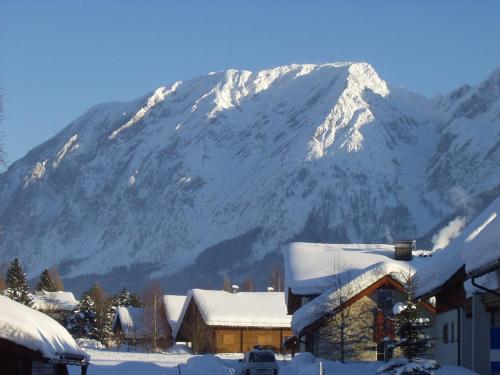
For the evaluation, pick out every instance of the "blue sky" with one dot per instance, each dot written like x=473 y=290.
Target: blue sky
x=58 y=58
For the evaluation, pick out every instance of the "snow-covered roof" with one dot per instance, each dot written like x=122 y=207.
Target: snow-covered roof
x=309 y=266
x=242 y=309
x=482 y=242
x=132 y=321
x=36 y=331
x=54 y=301
x=344 y=287
x=173 y=308
x=477 y=246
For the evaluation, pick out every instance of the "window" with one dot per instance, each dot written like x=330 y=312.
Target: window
x=452 y=332
x=384 y=352
x=445 y=333
x=385 y=300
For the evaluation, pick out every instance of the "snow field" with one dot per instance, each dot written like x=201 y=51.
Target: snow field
x=127 y=363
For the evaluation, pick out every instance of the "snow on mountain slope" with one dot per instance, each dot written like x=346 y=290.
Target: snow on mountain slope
x=243 y=159
x=468 y=154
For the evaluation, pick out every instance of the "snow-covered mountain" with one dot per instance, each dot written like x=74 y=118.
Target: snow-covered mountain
x=214 y=174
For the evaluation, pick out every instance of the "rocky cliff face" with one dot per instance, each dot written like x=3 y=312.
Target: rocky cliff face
x=213 y=175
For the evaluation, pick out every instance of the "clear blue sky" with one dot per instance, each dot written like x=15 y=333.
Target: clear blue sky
x=57 y=58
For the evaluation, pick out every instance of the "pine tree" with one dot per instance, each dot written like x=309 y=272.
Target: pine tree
x=84 y=320
x=413 y=340
x=126 y=299
x=135 y=300
x=105 y=311
x=17 y=285
x=45 y=283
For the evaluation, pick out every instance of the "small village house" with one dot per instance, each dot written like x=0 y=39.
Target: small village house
x=342 y=296
x=464 y=279
x=33 y=343
x=224 y=322
x=58 y=305
x=134 y=327
x=173 y=305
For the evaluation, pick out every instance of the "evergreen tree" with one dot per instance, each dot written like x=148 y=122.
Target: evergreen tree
x=126 y=299
x=105 y=312
x=135 y=300
x=45 y=283
x=411 y=329
x=84 y=320
x=17 y=285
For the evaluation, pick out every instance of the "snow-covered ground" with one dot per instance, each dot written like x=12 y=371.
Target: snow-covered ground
x=128 y=363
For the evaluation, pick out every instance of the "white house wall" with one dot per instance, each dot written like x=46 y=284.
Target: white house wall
x=446 y=353
x=480 y=336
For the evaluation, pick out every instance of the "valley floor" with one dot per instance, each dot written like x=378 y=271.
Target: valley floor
x=128 y=363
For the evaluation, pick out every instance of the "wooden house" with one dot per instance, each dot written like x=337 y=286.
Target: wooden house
x=331 y=286
x=135 y=327
x=33 y=343
x=172 y=306
x=223 y=322
x=58 y=305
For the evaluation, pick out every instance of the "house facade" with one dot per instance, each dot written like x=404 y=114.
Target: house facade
x=58 y=305
x=222 y=322
x=33 y=343
x=342 y=297
x=464 y=279
x=134 y=327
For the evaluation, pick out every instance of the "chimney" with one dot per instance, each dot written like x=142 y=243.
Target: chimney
x=270 y=289
x=235 y=288
x=403 y=249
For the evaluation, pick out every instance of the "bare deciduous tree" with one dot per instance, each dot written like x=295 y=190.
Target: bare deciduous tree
x=248 y=285
x=227 y=284
x=56 y=278
x=154 y=315
x=3 y=285
x=348 y=327
x=276 y=279
x=197 y=331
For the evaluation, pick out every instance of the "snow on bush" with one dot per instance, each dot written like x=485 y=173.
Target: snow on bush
x=206 y=364
x=179 y=349
x=403 y=366
x=89 y=344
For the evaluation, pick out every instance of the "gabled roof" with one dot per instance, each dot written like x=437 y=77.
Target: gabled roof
x=482 y=244
x=309 y=266
x=36 y=331
x=64 y=301
x=477 y=247
x=243 y=309
x=173 y=308
x=132 y=321
x=342 y=290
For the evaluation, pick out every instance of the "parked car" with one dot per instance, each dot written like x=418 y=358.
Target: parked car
x=259 y=362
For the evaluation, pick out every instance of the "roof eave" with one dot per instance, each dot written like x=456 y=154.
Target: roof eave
x=490 y=267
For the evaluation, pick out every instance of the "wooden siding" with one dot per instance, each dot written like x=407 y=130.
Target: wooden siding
x=221 y=339
x=452 y=293
x=241 y=340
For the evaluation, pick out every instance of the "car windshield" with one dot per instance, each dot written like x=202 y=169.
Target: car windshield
x=262 y=357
